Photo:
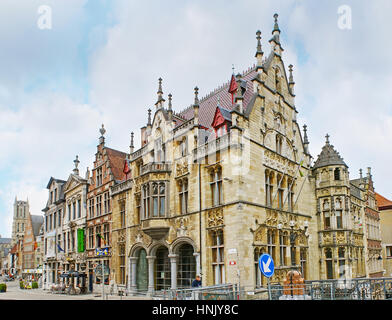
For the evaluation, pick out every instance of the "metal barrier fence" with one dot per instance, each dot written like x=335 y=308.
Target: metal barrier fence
x=217 y=292
x=352 y=289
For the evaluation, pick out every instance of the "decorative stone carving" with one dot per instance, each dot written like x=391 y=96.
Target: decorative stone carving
x=215 y=218
x=272 y=218
x=259 y=234
x=327 y=239
x=181 y=168
x=340 y=238
x=139 y=238
x=181 y=227
x=121 y=236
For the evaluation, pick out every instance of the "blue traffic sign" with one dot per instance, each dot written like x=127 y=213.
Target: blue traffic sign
x=266 y=265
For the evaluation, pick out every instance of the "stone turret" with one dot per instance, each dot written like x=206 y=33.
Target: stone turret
x=275 y=40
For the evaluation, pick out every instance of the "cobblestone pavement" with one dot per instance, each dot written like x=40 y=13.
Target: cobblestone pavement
x=15 y=293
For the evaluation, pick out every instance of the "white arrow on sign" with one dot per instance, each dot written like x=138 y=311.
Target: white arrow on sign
x=266 y=265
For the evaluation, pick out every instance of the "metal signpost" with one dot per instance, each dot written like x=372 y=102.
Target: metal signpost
x=101 y=253
x=267 y=268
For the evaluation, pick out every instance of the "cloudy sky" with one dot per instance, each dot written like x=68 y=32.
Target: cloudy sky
x=100 y=61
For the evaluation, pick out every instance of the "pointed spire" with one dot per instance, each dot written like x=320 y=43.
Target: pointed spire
x=305 y=134
x=360 y=174
x=328 y=156
x=275 y=40
x=87 y=176
x=259 y=52
x=291 y=79
x=196 y=107
x=170 y=110
x=276 y=27
x=102 y=131
x=76 y=162
x=159 y=103
x=306 y=140
x=149 y=118
x=196 y=103
x=131 y=146
x=170 y=101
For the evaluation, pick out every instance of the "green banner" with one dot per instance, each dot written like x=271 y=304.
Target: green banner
x=81 y=240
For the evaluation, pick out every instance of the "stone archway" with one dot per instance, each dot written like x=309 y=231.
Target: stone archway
x=141 y=270
x=186 y=270
x=162 y=269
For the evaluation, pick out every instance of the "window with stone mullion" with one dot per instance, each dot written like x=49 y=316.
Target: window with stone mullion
x=218 y=263
x=122 y=214
x=184 y=196
x=216 y=187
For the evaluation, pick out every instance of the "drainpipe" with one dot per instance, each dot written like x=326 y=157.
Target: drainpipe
x=200 y=243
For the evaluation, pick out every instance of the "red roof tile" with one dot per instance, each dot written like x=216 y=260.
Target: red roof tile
x=382 y=202
x=207 y=105
x=116 y=159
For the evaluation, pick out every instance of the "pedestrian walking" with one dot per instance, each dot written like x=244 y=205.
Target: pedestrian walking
x=197 y=282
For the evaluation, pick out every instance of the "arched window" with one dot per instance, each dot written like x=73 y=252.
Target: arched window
x=342 y=262
x=183 y=194
x=258 y=276
x=268 y=188
x=337 y=174
x=329 y=263
x=290 y=195
x=158 y=199
x=146 y=201
x=280 y=191
x=283 y=244
x=271 y=243
x=216 y=186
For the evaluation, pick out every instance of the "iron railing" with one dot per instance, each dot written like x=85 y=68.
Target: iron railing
x=348 y=289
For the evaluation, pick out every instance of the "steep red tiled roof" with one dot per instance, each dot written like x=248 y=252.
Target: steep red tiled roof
x=382 y=202
x=116 y=159
x=207 y=105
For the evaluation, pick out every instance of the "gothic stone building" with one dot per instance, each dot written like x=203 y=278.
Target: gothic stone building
x=230 y=177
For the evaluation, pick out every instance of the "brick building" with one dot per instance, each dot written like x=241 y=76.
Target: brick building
x=106 y=172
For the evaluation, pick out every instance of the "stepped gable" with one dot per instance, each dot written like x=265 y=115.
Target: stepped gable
x=328 y=156
x=116 y=159
x=208 y=104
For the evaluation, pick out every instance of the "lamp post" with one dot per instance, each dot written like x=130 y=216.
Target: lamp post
x=293 y=236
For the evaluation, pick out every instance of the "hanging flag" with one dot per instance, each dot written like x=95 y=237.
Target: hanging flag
x=61 y=249
x=233 y=87
x=35 y=245
x=299 y=168
x=127 y=167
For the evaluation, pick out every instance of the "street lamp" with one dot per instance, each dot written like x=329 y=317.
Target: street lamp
x=293 y=236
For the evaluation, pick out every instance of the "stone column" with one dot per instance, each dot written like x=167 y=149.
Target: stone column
x=151 y=260
x=132 y=274
x=197 y=257
x=173 y=270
